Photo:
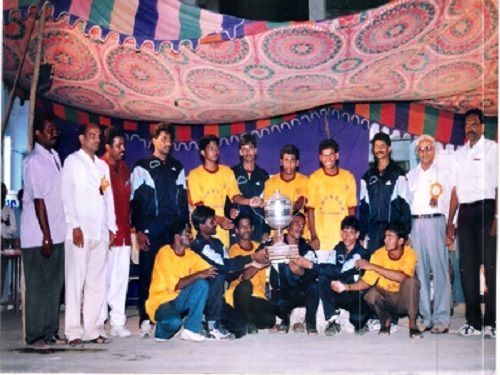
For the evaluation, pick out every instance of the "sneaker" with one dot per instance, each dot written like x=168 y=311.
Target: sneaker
x=311 y=330
x=220 y=333
x=119 y=331
x=362 y=331
x=145 y=329
x=489 y=332
x=333 y=328
x=394 y=327
x=159 y=339
x=252 y=329
x=468 y=330
x=373 y=325
x=283 y=328
x=188 y=335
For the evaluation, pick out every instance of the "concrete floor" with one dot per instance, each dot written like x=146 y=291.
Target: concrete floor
x=264 y=353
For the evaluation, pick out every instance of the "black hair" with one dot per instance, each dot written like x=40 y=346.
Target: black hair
x=40 y=120
x=82 y=129
x=300 y=214
x=328 y=143
x=240 y=217
x=163 y=127
x=248 y=139
x=350 y=222
x=111 y=133
x=291 y=150
x=475 y=111
x=205 y=141
x=400 y=230
x=200 y=215
x=177 y=227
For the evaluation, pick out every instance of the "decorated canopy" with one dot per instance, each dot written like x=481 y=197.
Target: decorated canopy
x=150 y=60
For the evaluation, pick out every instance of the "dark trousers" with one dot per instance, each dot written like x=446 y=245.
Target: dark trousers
x=376 y=234
x=404 y=302
x=146 y=263
x=215 y=300
x=354 y=302
x=285 y=300
x=477 y=247
x=44 y=279
x=247 y=310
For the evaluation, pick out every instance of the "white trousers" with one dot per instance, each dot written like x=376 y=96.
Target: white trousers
x=117 y=275
x=84 y=275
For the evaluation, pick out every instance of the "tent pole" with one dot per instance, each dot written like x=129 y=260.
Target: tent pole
x=36 y=74
x=10 y=102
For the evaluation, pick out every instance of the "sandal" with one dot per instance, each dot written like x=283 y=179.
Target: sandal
x=75 y=342
x=39 y=345
x=439 y=330
x=55 y=340
x=99 y=340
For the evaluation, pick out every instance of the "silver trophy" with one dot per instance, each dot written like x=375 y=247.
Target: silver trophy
x=278 y=213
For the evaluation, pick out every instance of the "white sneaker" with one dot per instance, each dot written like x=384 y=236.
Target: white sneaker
x=468 y=330
x=119 y=331
x=373 y=325
x=145 y=329
x=220 y=333
x=344 y=322
x=188 y=335
x=159 y=339
x=394 y=328
x=489 y=332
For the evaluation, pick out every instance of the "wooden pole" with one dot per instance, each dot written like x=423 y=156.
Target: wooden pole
x=36 y=74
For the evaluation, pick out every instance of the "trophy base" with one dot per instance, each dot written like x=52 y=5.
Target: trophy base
x=282 y=253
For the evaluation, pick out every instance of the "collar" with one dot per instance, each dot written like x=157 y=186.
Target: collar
x=422 y=170
x=479 y=144
x=86 y=156
x=42 y=150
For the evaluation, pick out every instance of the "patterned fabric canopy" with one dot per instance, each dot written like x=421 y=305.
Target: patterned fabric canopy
x=153 y=60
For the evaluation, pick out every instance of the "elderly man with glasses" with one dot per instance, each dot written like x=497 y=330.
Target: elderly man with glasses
x=430 y=184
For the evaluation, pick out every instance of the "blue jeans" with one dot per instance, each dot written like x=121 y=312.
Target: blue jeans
x=189 y=304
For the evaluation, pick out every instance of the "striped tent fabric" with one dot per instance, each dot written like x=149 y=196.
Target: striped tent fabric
x=158 y=21
x=164 y=60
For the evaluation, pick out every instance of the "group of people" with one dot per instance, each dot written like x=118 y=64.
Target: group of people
x=77 y=222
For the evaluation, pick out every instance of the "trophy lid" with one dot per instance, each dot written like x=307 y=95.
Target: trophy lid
x=278 y=210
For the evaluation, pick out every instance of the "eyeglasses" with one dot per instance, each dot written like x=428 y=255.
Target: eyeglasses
x=425 y=149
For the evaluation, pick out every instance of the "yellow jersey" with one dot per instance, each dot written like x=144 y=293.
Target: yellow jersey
x=258 y=280
x=331 y=197
x=211 y=189
x=168 y=269
x=406 y=264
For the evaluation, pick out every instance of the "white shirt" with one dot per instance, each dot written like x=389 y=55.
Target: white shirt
x=84 y=205
x=419 y=186
x=476 y=171
x=42 y=180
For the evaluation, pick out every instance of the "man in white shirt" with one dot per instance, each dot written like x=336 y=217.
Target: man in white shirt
x=475 y=195
x=90 y=215
x=430 y=185
x=43 y=230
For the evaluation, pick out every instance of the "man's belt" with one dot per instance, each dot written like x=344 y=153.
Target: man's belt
x=477 y=203
x=426 y=216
